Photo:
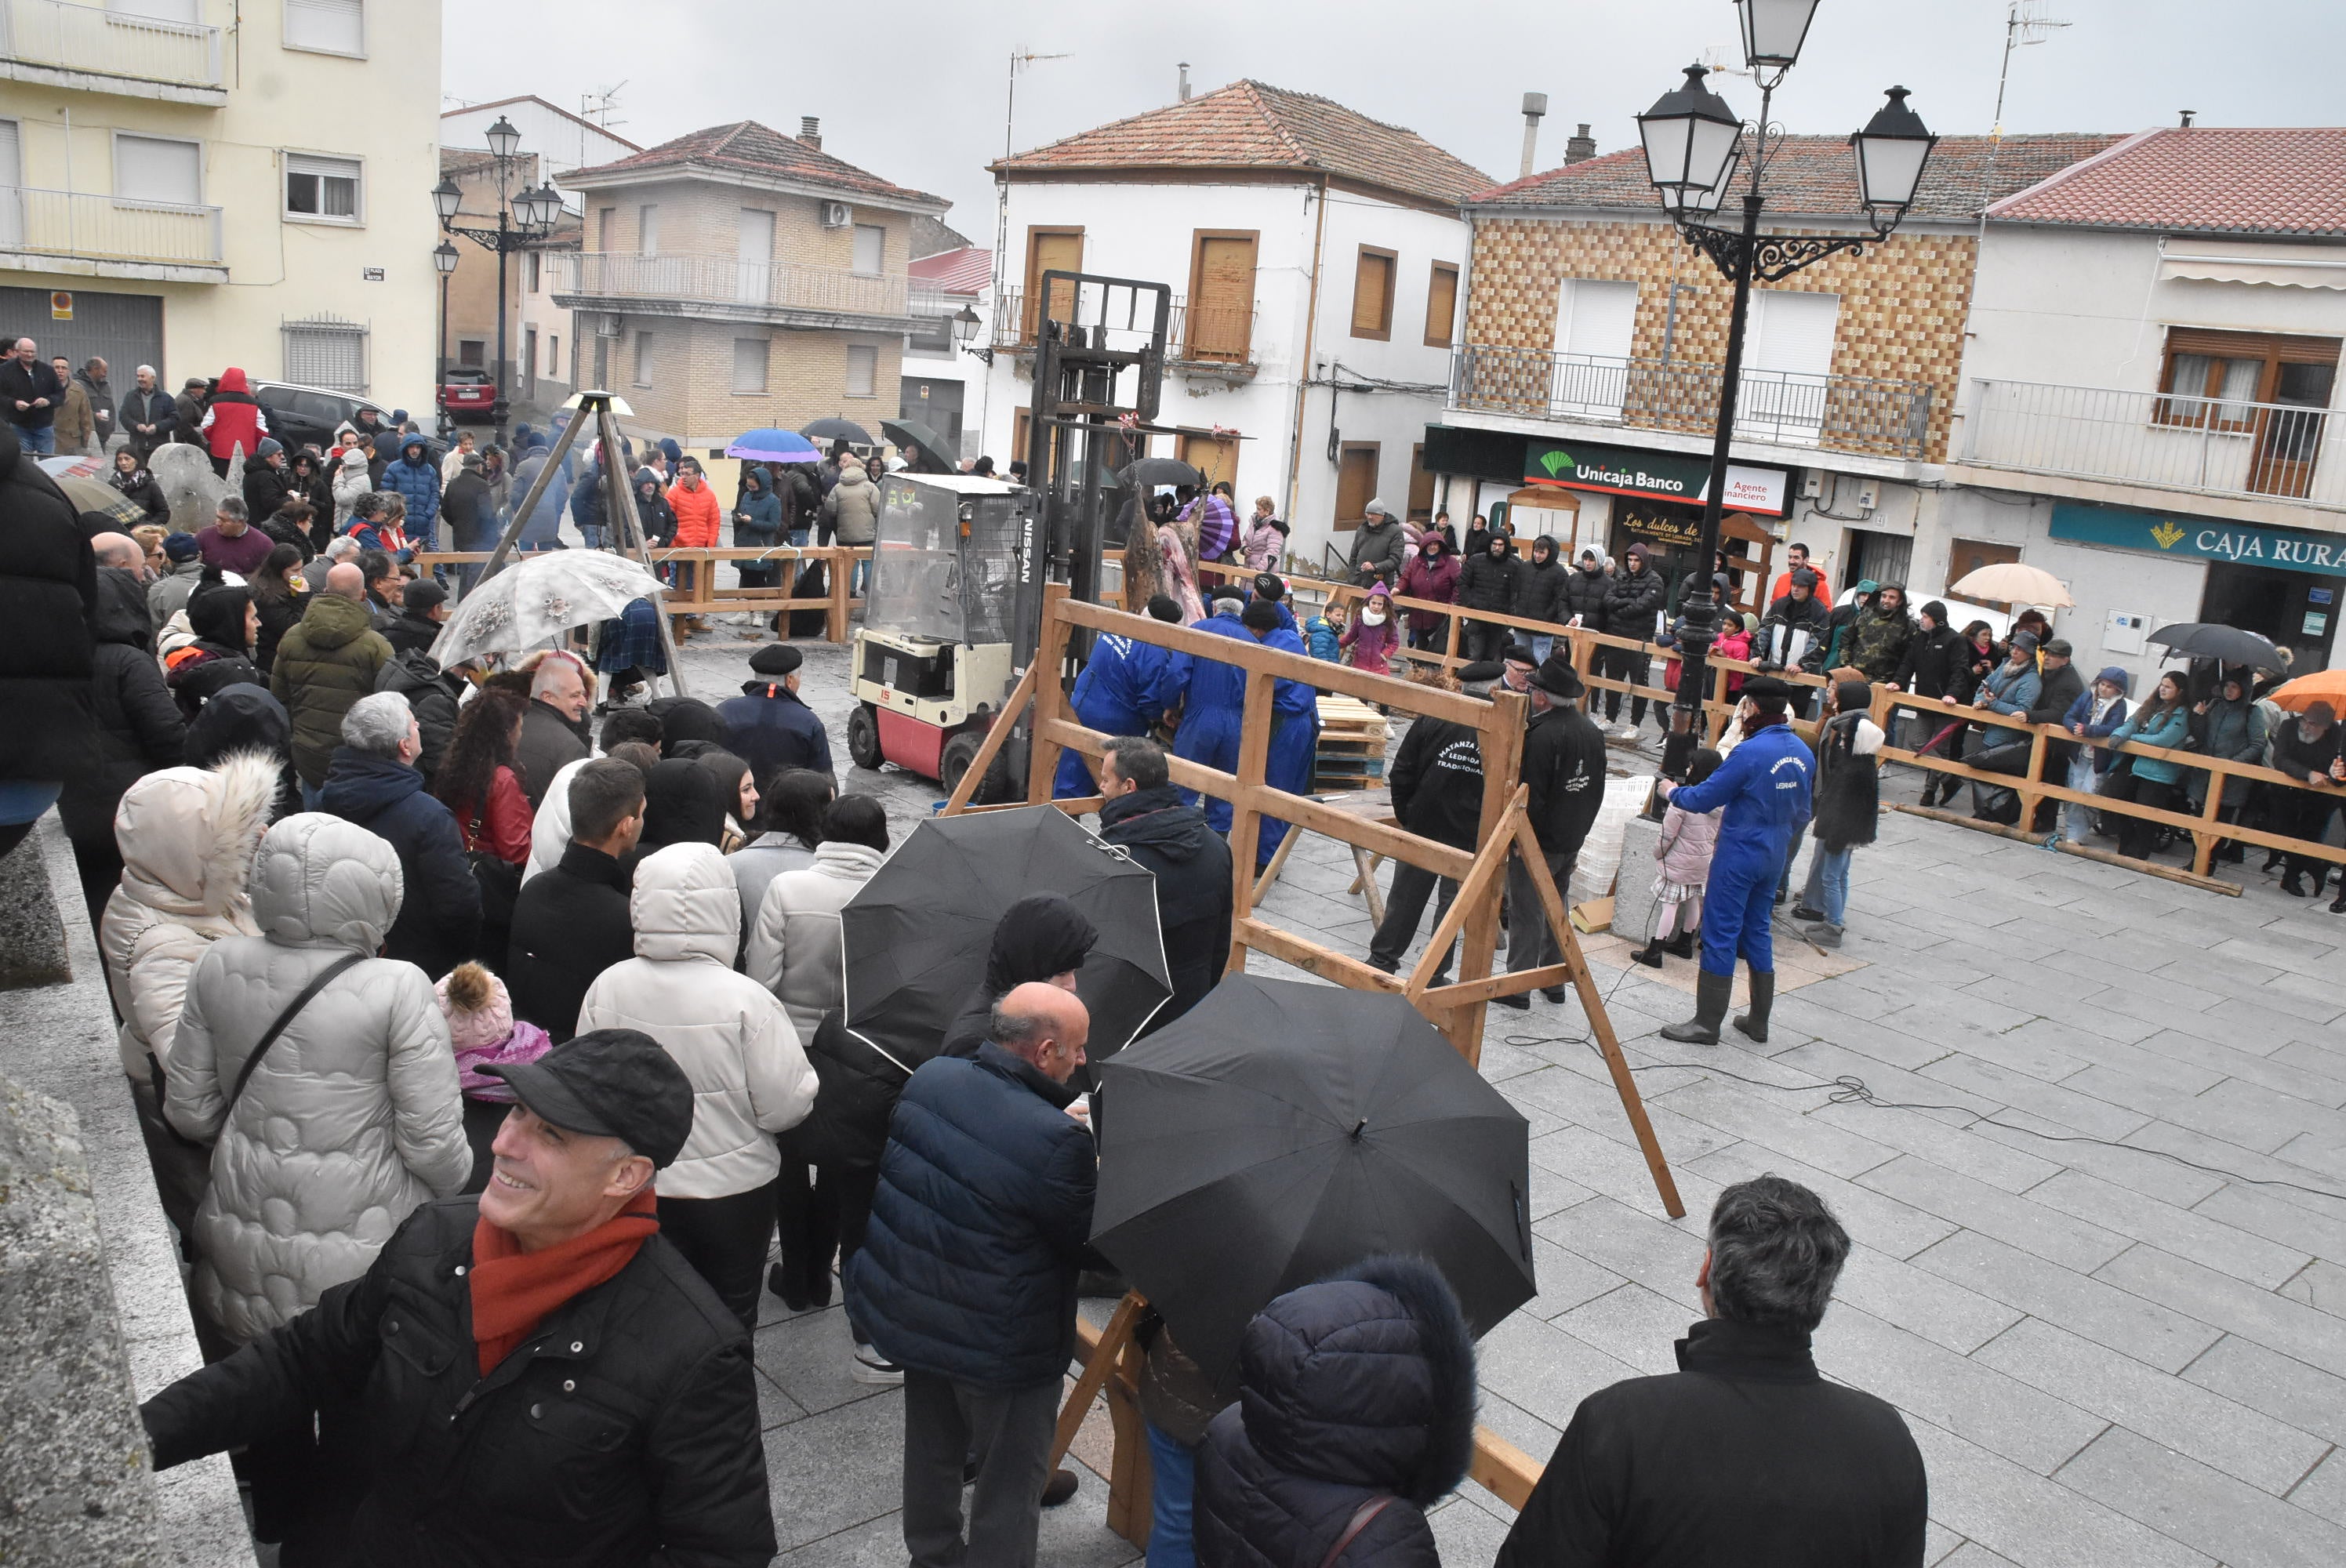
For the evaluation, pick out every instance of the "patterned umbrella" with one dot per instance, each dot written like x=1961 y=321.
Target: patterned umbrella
x=95 y=495
x=538 y=598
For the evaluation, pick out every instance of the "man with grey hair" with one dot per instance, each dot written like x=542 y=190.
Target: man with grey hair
x=1745 y=1455
x=552 y=726
x=374 y=783
x=147 y=414
x=119 y=550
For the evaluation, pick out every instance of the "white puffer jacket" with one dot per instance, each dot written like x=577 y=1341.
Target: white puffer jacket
x=795 y=950
x=352 y=482
x=749 y=1076
x=351 y=1121
x=187 y=837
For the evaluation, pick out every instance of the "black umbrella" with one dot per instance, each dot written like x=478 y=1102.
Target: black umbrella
x=930 y=453
x=1142 y=473
x=1280 y=1131
x=2230 y=645
x=917 y=934
x=836 y=430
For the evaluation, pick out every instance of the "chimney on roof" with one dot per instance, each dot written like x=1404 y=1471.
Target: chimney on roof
x=1580 y=148
x=810 y=131
x=2189 y=115
x=1185 y=81
x=1535 y=107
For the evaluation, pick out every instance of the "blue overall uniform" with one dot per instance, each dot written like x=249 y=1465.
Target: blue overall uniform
x=1294 y=740
x=1114 y=696
x=1211 y=696
x=1765 y=785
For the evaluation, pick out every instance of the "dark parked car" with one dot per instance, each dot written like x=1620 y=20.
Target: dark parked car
x=303 y=415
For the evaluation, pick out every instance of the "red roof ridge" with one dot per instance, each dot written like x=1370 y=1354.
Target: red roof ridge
x=2061 y=176
x=791 y=157
x=1256 y=90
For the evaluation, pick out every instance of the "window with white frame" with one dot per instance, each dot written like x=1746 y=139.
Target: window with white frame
x=327 y=351
x=1595 y=321
x=642 y=374
x=554 y=356
x=323 y=189
x=648 y=230
x=862 y=369
x=160 y=10
x=750 y=364
x=158 y=168
x=871 y=248
x=1787 y=365
x=330 y=26
x=535 y=257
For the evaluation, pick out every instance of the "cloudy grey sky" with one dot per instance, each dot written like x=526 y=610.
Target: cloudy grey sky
x=915 y=91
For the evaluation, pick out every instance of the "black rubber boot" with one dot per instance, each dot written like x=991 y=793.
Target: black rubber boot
x=1650 y=955
x=1754 y=1022
x=1712 y=992
x=1683 y=945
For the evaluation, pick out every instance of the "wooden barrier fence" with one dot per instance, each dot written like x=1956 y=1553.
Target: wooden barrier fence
x=708 y=596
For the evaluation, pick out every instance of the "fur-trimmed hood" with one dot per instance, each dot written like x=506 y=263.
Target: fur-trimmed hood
x=189 y=835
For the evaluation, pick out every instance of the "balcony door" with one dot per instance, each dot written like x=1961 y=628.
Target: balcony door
x=11 y=203
x=1787 y=361
x=754 y=250
x=1596 y=322
x=1219 y=318
x=1050 y=250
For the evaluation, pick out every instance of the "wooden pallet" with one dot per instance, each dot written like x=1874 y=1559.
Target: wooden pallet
x=1352 y=754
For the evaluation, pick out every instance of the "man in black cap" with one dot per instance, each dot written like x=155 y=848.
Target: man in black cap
x=422 y=610
x=767 y=725
x=533 y=1374
x=1564 y=764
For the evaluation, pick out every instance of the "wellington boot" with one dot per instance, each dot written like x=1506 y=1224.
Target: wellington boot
x=1711 y=994
x=1754 y=1022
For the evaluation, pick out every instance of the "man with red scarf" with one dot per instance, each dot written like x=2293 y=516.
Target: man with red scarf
x=531 y=1375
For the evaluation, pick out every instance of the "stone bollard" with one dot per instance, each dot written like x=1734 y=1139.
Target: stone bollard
x=32 y=934
x=1633 y=893
x=75 y=1485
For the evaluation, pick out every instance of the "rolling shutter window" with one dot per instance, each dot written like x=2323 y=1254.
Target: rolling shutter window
x=337 y=27
x=1595 y=318
x=1793 y=332
x=871 y=248
x=154 y=168
x=862 y=369
x=749 y=364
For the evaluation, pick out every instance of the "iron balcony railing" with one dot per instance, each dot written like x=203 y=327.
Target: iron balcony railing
x=105 y=42
x=1839 y=414
x=722 y=280
x=107 y=228
x=1199 y=334
x=2213 y=446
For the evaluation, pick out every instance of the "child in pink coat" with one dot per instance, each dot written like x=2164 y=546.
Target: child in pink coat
x=1684 y=850
x=482 y=1027
x=1373 y=636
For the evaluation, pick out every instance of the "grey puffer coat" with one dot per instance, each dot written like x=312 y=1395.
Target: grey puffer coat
x=353 y=1118
x=854 y=504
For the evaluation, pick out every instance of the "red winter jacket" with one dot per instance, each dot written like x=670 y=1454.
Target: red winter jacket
x=695 y=516
x=234 y=419
x=504 y=825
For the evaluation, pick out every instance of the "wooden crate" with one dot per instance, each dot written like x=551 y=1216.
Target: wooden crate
x=1351 y=754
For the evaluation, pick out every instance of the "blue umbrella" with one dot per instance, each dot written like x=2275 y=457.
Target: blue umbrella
x=775 y=447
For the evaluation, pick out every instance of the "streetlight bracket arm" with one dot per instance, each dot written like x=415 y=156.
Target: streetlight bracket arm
x=1774 y=257
x=488 y=239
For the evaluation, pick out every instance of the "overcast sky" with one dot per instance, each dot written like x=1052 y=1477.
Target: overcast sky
x=913 y=90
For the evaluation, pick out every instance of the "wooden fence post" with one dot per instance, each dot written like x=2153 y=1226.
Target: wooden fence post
x=1050 y=694
x=1257 y=718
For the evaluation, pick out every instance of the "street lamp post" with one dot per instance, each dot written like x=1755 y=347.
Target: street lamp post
x=521 y=219
x=444 y=259
x=1695 y=147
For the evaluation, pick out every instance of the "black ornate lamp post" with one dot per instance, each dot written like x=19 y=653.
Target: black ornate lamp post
x=444 y=259
x=965 y=323
x=521 y=219
x=1695 y=148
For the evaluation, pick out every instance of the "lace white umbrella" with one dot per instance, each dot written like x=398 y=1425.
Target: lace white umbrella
x=538 y=598
x=2015 y=583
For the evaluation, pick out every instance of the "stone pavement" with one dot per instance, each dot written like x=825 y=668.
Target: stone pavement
x=2107 y=1355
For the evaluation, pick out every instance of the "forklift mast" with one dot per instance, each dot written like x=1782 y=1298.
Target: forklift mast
x=1091 y=333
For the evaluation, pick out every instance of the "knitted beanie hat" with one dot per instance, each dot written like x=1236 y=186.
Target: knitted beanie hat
x=474 y=1003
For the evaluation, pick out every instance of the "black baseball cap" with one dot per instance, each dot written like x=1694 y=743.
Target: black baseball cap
x=609 y=1084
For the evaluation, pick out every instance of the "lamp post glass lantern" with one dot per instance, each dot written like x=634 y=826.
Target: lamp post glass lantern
x=523 y=218
x=966 y=324
x=1695 y=149
x=443 y=261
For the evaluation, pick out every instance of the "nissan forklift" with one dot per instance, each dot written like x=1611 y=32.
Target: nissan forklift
x=953 y=612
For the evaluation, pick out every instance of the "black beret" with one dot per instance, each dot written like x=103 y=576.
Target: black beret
x=776 y=660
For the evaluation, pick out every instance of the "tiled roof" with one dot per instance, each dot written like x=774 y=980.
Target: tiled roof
x=2208 y=179
x=968 y=270
x=1252 y=125
x=1817 y=176
x=752 y=148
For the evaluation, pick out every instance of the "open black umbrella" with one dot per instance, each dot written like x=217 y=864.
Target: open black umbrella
x=1142 y=473
x=930 y=453
x=2230 y=645
x=836 y=430
x=1280 y=1131
x=917 y=934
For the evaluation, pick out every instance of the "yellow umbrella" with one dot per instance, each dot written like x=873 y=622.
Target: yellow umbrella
x=2322 y=686
x=2014 y=583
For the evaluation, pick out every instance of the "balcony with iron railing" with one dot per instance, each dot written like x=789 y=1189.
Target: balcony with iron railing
x=1196 y=335
x=103 y=49
x=107 y=231
x=721 y=285
x=1779 y=408
x=2207 y=446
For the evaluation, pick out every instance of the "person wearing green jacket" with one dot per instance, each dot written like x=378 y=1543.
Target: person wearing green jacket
x=2164 y=719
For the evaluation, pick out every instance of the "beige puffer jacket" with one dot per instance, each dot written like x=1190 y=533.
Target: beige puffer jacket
x=353 y=1117
x=187 y=837
x=795 y=951
x=854 y=502
x=749 y=1076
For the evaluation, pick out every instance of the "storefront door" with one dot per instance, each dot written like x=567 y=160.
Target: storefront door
x=2298 y=610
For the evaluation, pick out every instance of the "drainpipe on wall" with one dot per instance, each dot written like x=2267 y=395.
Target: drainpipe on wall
x=1304 y=367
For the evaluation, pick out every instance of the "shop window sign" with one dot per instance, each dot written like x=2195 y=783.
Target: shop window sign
x=1652 y=476
x=2200 y=538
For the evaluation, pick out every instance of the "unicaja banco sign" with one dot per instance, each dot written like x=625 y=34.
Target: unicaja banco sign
x=2287 y=549
x=1652 y=476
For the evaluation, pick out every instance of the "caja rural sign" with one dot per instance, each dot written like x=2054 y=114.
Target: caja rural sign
x=2201 y=538
x=1652 y=475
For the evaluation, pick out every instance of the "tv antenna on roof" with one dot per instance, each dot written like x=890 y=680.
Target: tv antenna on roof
x=2023 y=24
x=600 y=107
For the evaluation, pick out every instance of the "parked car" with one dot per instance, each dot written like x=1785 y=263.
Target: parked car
x=468 y=391
x=303 y=415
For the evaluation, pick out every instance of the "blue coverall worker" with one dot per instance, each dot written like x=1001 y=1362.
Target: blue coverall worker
x=1115 y=695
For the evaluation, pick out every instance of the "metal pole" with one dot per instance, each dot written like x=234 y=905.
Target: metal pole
x=1700 y=610
x=619 y=501
x=497 y=410
x=440 y=391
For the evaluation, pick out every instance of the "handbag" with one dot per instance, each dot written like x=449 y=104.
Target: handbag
x=1361 y=1518
x=499 y=880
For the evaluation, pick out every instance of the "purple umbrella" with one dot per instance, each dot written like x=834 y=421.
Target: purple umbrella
x=775 y=447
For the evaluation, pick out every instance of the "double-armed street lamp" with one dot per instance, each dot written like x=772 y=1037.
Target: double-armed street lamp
x=1695 y=149
x=523 y=218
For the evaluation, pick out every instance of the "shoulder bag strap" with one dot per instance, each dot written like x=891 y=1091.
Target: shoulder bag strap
x=318 y=983
x=1361 y=1518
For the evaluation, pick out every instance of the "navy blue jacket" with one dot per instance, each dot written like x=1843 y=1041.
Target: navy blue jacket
x=769 y=727
x=439 y=922
x=984 y=1204
x=417 y=483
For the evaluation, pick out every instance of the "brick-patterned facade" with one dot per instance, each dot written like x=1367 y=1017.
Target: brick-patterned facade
x=1903 y=302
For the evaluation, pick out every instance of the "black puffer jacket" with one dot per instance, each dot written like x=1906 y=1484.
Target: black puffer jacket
x=140 y=727
x=1584 y=595
x=1350 y=1390
x=1632 y=599
x=623 y=1432
x=858 y=1086
x=1540 y=590
x=1487 y=582
x=1847 y=801
x=431 y=696
x=1192 y=864
x=48 y=591
x=1437 y=782
x=1938 y=664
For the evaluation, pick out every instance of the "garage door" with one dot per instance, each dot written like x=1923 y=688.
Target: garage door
x=126 y=330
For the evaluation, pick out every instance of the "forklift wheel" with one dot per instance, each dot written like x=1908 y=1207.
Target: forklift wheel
x=959 y=753
x=863 y=737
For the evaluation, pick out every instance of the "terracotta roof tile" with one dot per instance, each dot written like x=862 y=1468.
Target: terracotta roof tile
x=752 y=148
x=1252 y=125
x=2206 y=178
x=1816 y=175
x=968 y=270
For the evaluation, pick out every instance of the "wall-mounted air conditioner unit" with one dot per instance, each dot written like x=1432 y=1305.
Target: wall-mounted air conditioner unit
x=836 y=215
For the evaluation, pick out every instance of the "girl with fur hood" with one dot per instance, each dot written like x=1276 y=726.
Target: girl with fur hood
x=1848 y=807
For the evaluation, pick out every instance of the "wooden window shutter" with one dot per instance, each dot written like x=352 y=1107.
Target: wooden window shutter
x=1219 y=318
x=1373 y=294
x=1356 y=483
x=1440 y=305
